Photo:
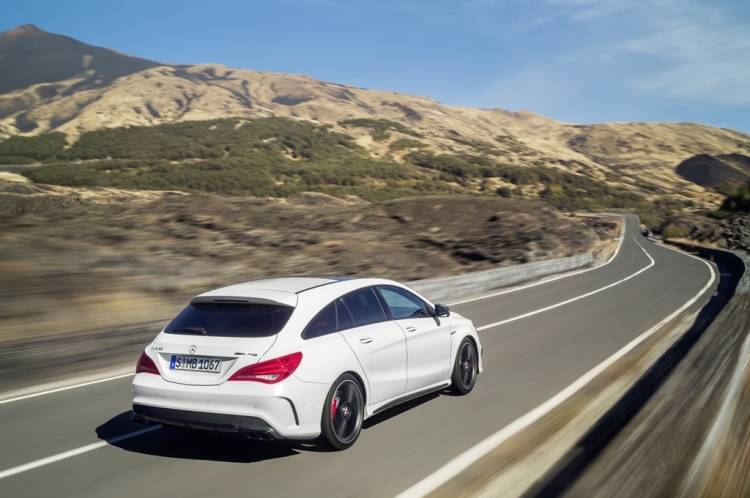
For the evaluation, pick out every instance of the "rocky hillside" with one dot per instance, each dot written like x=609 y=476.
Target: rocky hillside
x=89 y=88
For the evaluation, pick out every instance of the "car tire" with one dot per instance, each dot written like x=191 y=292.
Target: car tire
x=343 y=413
x=465 y=368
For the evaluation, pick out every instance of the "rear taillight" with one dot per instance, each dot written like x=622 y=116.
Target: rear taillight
x=270 y=371
x=146 y=365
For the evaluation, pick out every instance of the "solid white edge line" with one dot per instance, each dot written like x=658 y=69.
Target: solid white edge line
x=525 y=315
x=67 y=454
x=472 y=455
x=566 y=275
x=34 y=395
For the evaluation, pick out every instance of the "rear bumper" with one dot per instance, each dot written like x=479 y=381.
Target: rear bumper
x=219 y=423
x=290 y=409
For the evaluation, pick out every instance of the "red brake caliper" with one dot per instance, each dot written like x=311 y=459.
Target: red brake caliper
x=334 y=405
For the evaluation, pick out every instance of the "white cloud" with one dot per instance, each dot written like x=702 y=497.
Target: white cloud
x=690 y=50
x=704 y=52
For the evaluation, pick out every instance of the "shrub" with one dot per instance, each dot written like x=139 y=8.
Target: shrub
x=675 y=231
x=503 y=192
x=738 y=202
x=16 y=160
x=380 y=126
x=406 y=143
x=651 y=222
x=33 y=149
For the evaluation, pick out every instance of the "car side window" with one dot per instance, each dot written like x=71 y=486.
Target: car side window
x=344 y=318
x=364 y=307
x=323 y=323
x=404 y=304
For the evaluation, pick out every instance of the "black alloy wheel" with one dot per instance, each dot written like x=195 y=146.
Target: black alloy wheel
x=466 y=368
x=343 y=413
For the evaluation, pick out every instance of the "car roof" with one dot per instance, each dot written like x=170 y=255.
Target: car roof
x=287 y=291
x=268 y=291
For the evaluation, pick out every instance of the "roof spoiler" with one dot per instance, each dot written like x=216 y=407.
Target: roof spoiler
x=269 y=297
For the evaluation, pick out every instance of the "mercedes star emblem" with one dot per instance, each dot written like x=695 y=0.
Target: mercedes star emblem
x=192 y=350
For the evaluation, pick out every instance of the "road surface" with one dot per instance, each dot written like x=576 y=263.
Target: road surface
x=550 y=334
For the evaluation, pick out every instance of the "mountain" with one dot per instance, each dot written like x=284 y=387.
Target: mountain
x=53 y=83
x=29 y=56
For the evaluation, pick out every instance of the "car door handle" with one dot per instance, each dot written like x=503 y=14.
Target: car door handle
x=411 y=329
x=366 y=340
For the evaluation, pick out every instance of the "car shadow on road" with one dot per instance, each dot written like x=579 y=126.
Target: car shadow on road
x=198 y=445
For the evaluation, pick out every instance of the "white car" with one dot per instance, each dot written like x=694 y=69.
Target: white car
x=301 y=358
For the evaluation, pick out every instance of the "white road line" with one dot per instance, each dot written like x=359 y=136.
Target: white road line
x=519 y=317
x=19 y=398
x=72 y=453
x=546 y=281
x=472 y=455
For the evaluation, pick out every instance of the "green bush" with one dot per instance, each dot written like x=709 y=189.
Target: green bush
x=406 y=143
x=651 y=222
x=379 y=127
x=719 y=214
x=504 y=192
x=675 y=231
x=566 y=191
x=16 y=160
x=738 y=202
x=33 y=149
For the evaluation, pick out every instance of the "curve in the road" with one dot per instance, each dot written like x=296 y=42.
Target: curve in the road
x=463 y=461
x=528 y=362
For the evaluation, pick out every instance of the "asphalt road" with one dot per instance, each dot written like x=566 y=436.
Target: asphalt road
x=527 y=361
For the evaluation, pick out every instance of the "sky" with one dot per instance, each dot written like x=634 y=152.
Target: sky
x=579 y=61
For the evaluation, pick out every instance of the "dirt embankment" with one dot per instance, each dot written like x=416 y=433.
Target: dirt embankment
x=91 y=266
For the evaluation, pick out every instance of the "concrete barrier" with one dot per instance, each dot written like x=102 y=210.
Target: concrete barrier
x=466 y=284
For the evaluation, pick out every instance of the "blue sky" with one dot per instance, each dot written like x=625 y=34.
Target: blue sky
x=582 y=61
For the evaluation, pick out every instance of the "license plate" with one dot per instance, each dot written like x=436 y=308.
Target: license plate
x=195 y=363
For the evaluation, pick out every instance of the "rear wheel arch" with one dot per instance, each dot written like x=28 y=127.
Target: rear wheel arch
x=342 y=417
x=362 y=384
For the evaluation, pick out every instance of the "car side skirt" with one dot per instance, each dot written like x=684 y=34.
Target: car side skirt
x=385 y=405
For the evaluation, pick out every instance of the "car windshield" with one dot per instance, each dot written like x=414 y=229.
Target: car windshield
x=230 y=320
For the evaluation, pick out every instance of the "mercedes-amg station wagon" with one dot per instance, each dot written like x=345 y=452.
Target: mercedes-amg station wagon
x=301 y=358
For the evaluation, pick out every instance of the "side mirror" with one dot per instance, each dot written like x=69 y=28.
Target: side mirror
x=442 y=310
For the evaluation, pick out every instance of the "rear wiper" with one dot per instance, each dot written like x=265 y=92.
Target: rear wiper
x=192 y=330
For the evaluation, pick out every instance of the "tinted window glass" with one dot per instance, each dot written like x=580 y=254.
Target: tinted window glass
x=345 y=319
x=230 y=320
x=364 y=307
x=403 y=304
x=323 y=323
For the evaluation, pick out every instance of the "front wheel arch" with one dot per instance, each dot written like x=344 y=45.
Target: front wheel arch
x=459 y=374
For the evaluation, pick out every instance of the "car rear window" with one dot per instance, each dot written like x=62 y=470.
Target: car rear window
x=230 y=320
